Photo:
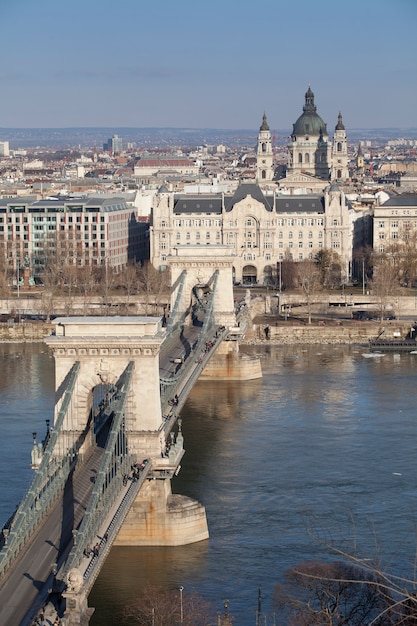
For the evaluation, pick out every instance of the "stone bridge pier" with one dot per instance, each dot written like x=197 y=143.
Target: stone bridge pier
x=104 y=346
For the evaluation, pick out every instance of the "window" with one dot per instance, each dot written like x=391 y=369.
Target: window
x=249 y=222
x=300 y=222
x=178 y=236
x=300 y=244
x=310 y=234
x=267 y=257
x=188 y=236
x=382 y=235
x=300 y=157
x=300 y=234
x=290 y=234
x=381 y=224
x=335 y=222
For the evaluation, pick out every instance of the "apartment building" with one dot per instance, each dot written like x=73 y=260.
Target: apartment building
x=394 y=221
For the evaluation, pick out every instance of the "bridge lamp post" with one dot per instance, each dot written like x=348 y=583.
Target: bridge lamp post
x=181 y=606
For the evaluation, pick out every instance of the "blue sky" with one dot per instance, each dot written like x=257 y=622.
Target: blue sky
x=207 y=64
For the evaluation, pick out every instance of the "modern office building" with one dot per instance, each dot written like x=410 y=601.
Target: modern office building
x=83 y=230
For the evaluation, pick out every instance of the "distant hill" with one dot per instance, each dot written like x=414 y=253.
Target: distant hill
x=169 y=137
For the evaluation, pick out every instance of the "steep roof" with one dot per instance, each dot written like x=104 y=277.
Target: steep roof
x=243 y=191
x=300 y=204
x=198 y=204
x=403 y=200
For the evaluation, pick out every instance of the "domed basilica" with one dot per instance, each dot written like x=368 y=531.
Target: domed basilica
x=313 y=160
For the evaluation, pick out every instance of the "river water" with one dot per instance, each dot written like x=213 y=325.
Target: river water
x=323 y=447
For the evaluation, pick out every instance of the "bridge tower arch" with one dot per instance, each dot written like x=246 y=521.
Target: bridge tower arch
x=199 y=266
x=103 y=347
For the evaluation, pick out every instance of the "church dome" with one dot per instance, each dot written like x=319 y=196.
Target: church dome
x=309 y=123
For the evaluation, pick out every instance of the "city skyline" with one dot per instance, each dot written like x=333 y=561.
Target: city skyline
x=193 y=65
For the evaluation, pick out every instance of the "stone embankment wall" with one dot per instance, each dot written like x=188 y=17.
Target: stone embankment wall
x=25 y=331
x=352 y=333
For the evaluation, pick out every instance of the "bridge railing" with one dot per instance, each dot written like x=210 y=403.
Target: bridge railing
x=116 y=463
x=209 y=330
x=91 y=568
x=175 y=320
x=47 y=484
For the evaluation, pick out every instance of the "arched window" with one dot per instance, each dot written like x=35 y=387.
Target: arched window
x=339 y=146
x=307 y=158
x=339 y=174
x=264 y=147
x=300 y=157
x=263 y=174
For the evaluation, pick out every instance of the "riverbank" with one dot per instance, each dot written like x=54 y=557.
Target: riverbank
x=282 y=332
x=331 y=332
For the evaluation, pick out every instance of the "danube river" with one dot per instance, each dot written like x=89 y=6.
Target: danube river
x=324 y=446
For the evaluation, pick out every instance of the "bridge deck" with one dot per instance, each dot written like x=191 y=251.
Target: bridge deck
x=31 y=576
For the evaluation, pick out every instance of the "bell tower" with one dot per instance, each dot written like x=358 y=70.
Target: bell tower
x=340 y=156
x=265 y=155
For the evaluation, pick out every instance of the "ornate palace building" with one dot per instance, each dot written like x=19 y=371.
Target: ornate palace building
x=265 y=227
x=261 y=230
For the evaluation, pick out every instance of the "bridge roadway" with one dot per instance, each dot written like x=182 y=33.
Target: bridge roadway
x=25 y=588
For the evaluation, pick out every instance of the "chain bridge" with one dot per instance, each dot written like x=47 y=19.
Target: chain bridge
x=103 y=470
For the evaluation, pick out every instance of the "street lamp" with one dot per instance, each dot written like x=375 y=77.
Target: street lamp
x=181 y=606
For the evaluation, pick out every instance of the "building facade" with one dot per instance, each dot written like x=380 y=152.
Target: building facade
x=88 y=231
x=395 y=221
x=261 y=230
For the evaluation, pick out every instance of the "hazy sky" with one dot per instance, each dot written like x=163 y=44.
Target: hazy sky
x=207 y=63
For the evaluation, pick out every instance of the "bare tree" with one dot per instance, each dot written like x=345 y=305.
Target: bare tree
x=288 y=272
x=309 y=280
x=384 y=284
x=316 y=593
x=153 y=284
x=330 y=267
x=160 y=607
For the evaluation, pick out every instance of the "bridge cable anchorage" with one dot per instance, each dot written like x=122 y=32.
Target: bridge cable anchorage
x=109 y=486
x=51 y=475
